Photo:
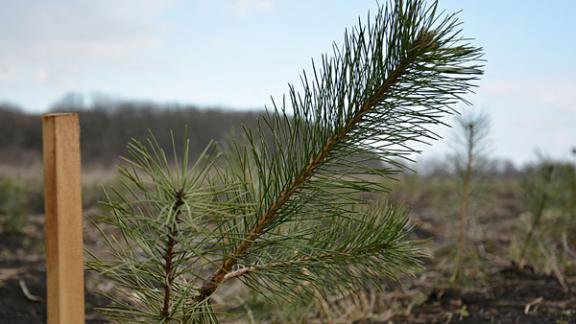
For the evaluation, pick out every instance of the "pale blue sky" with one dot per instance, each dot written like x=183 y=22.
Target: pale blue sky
x=236 y=53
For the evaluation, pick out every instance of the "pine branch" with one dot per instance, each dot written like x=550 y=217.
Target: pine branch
x=163 y=216
x=347 y=254
x=303 y=261
x=345 y=127
x=169 y=255
x=219 y=276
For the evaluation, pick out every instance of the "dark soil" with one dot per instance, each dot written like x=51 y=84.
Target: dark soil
x=22 y=263
x=17 y=308
x=509 y=295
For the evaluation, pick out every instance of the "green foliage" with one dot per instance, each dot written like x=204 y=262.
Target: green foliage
x=472 y=133
x=565 y=173
x=472 y=129
x=549 y=197
x=13 y=204
x=165 y=220
x=283 y=210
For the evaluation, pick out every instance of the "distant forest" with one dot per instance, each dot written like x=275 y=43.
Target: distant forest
x=107 y=126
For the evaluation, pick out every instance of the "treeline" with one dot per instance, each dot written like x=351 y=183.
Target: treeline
x=106 y=128
x=108 y=125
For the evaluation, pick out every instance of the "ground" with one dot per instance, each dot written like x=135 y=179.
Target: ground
x=507 y=294
x=510 y=296
x=22 y=268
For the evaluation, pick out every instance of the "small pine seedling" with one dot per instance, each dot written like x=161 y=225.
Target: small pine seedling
x=473 y=129
x=283 y=210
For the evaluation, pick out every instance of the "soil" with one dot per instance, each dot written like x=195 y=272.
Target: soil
x=22 y=265
x=511 y=294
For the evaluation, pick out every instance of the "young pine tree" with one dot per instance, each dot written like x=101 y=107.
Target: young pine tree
x=283 y=210
x=549 y=197
x=472 y=130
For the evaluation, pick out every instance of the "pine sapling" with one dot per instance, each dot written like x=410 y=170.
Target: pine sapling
x=473 y=129
x=283 y=210
x=537 y=190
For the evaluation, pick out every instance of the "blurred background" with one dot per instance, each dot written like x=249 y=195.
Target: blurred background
x=132 y=65
x=235 y=54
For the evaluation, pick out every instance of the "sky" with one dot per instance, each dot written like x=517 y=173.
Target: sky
x=238 y=53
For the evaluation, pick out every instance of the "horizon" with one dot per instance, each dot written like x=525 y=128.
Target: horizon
x=209 y=54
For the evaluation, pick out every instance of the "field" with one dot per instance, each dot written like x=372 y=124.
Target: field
x=495 y=286
x=320 y=205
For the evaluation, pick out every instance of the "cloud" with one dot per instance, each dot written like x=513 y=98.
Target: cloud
x=531 y=113
x=64 y=36
x=6 y=72
x=558 y=93
x=42 y=75
x=245 y=7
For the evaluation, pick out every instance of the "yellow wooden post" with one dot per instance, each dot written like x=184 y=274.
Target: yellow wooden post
x=63 y=226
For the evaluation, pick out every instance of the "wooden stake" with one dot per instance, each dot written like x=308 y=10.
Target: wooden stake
x=63 y=226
